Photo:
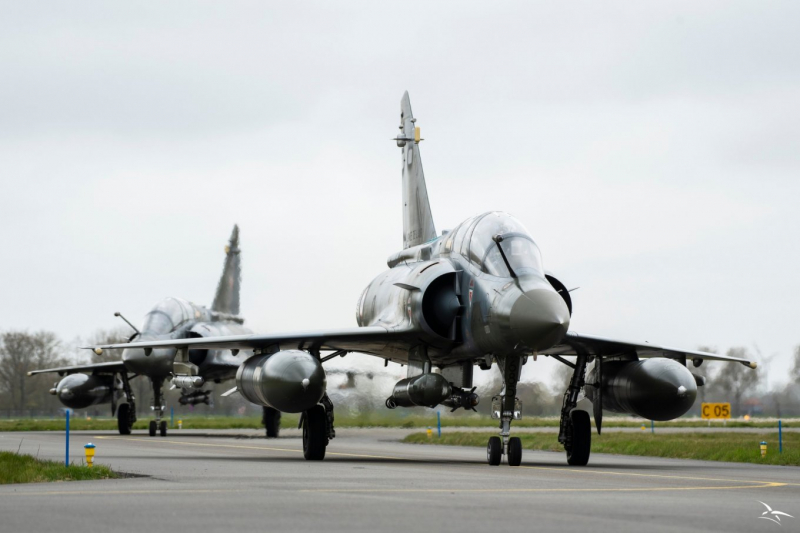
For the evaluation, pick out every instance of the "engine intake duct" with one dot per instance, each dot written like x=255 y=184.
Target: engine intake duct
x=290 y=381
x=655 y=389
x=441 y=305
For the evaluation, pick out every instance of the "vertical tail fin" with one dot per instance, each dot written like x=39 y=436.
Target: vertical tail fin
x=417 y=217
x=227 y=298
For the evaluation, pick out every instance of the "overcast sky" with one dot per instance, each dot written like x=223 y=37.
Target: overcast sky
x=652 y=149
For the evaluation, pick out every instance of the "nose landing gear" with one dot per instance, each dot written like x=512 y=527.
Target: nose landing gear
x=158 y=426
x=506 y=407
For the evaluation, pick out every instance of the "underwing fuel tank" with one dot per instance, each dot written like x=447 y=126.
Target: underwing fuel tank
x=426 y=390
x=290 y=381
x=655 y=389
x=79 y=391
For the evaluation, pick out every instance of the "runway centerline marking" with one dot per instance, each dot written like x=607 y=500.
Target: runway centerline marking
x=757 y=485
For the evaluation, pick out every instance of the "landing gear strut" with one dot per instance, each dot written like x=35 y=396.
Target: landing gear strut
x=317 y=429
x=509 y=409
x=575 y=431
x=126 y=412
x=158 y=407
x=272 y=422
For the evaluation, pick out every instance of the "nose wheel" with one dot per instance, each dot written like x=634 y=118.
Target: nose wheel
x=514 y=451
x=507 y=408
x=494 y=451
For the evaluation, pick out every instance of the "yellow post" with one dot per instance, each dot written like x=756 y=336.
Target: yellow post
x=89 y=450
x=643 y=428
x=180 y=424
x=430 y=433
x=763 y=448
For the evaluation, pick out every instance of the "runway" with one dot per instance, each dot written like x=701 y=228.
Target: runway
x=235 y=480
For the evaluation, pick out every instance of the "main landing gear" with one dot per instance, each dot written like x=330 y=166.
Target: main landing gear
x=126 y=412
x=318 y=430
x=272 y=422
x=575 y=431
x=506 y=407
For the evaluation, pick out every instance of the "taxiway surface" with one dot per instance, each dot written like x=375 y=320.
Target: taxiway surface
x=238 y=481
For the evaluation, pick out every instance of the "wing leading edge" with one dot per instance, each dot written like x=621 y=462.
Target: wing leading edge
x=371 y=340
x=375 y=340
x=111 y=367
x=604 y=347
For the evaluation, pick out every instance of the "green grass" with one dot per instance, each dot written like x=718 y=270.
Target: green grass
x=16 y=468
x=402 y=419
x=734 y=447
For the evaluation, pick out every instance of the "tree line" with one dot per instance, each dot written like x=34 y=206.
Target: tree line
x=22 y=351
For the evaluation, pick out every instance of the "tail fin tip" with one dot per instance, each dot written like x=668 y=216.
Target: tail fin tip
x=226 y=299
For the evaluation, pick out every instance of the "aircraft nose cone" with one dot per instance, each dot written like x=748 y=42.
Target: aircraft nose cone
x=539 y=318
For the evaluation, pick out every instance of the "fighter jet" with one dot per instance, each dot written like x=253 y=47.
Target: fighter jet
x=478 y=295
x=171 y=318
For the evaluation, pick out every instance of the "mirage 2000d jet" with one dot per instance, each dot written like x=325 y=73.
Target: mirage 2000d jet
x=476 y=295
x=171 y=318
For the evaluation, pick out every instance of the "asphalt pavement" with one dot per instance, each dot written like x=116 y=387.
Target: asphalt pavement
x=237 y=480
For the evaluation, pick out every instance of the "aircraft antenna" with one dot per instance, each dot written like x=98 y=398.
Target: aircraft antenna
x=128 y=322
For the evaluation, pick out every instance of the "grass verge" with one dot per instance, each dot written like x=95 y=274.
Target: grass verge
x=734 y=447
x=15 y=468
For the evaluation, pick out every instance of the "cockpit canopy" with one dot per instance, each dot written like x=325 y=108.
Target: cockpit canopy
x=475 y=240
x=169 y=314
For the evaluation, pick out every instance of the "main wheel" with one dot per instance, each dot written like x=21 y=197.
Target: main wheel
x=124 y=419
x=514 y=451
x=162 y=428
x=153 y=428
x=315 y=433
x=494 y=451
x=272 y=422
x=578 y=453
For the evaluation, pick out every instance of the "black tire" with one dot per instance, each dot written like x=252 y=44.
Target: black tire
x=578 y=454
x=514 y=451
x=272 y=422
x=124 y=419
x=494 y=451
x=162 y=428
x=315 y=433
x=153 y=428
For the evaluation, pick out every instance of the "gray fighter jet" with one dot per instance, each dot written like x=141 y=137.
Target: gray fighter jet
x=171 y=318
x=474 y=296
